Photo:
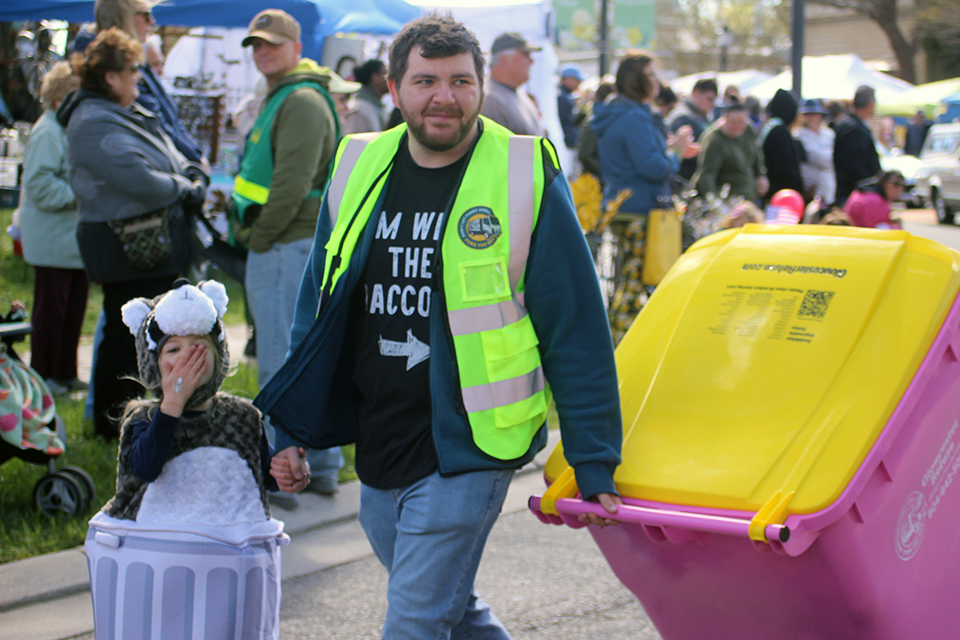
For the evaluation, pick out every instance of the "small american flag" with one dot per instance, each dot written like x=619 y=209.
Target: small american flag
x=781 y=215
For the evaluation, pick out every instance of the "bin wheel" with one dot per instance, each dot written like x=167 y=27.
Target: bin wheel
x=59 y=493
x=86 y=483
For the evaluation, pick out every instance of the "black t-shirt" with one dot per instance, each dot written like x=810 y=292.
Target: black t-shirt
x=392 y=334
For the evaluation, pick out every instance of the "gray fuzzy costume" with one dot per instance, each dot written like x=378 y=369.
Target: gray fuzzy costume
x=231 y=423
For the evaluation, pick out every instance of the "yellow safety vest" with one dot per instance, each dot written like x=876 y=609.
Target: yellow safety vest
x=484 y=251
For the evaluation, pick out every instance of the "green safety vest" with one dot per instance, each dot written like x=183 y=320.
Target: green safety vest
x=252 y=183
x=484 y=251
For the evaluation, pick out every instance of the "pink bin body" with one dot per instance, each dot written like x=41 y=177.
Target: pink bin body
x=880 y=563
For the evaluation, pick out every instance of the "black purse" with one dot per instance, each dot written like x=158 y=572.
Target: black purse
x=145 y=239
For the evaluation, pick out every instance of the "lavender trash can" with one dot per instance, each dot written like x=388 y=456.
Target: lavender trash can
x=184 y=583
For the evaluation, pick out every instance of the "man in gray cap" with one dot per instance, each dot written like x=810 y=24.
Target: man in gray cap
x=506 y=102
x=276 y=195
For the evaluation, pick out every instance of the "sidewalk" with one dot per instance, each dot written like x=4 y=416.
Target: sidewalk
x=48 y=597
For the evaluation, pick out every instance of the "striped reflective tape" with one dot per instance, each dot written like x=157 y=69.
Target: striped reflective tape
x=499 y=394
x=487 y=317
x=338 y=183
x=521 y=197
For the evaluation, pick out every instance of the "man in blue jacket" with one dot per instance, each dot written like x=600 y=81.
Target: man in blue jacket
x=448 y=293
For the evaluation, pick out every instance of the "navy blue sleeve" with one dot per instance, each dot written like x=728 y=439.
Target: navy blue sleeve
x=308 y=300
x=151 y=445
x=266 y=453
x=647 y=151
x=154 y=98
x=566 y=307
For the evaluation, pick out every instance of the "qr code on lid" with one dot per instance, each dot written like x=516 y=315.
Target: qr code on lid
x=815 y=304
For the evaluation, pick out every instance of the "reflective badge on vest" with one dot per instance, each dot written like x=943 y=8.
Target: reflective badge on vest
x=479 y=228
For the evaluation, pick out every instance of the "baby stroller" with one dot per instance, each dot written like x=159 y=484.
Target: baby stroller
x=30 y=428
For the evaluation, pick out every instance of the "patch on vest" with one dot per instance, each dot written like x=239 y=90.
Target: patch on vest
x=479 y=228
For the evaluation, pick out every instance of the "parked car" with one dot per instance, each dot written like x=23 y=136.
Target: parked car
x=938 y=178
x=896 y=160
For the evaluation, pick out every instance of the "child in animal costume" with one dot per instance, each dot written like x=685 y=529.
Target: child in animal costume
x=190 y=523
x=192 y=454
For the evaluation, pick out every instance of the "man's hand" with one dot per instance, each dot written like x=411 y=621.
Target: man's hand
x=609 y=501
x=291 y=469
x=762 y=186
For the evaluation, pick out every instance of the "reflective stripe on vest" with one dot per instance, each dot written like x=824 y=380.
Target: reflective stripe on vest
x=250 y=190
x=502 y=383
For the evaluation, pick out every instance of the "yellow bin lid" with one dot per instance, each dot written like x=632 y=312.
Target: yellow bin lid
x=769 y=360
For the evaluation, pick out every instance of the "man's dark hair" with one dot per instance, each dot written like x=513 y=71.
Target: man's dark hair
x=864 y=97
x=734 y=107
x=604 y=90
x=666 y=96
x=835 y=109
x=439 y=37
x=364 y=73
x=706 y=85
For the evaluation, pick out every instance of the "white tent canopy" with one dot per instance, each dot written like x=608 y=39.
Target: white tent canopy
x=833 y=78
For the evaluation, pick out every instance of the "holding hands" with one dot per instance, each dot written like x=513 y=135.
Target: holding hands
x=290 y=469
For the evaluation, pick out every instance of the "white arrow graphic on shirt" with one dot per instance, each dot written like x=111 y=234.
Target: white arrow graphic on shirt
x=413 y=350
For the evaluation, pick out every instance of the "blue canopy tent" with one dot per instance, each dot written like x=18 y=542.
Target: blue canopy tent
x=317 y=18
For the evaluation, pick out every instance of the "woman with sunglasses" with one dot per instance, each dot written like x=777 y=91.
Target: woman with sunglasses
x=135 y=17
x=124 y=169
x=869 y=204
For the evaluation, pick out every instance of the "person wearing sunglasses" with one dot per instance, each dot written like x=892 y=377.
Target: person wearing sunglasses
x=135 y=17
x=125 y=173
x=869 y=204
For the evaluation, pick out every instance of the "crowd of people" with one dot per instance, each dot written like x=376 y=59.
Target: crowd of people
x=377 y=323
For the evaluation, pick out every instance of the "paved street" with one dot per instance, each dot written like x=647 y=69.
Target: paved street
x=544 y=582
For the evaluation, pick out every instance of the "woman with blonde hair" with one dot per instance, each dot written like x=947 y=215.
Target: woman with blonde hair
x=135 y=18
x=48 y=224
x=131 y=185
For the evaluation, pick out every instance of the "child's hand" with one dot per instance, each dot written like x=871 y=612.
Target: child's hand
x=181 y=378
x=290 y=469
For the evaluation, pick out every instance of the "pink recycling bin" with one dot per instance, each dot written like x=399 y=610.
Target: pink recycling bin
x=791 y=401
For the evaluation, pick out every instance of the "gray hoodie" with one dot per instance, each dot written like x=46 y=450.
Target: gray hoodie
x=123 y=165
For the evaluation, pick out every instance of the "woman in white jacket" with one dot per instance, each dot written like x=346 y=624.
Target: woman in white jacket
x=819 y=178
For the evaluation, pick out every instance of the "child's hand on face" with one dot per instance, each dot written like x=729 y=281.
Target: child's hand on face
x=181 y=377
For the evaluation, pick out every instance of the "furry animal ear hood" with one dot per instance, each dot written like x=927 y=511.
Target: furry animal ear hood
x=185 y=310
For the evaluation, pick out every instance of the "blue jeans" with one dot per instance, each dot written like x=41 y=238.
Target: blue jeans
x=430 y=537
x=273 y=283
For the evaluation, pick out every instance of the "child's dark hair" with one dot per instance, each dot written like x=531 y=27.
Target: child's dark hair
x=438 y=37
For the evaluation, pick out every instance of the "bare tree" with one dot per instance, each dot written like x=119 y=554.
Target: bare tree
x=886 y=14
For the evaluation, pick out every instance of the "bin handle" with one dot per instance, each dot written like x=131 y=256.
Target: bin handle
x=663 y=517
x=565 y=486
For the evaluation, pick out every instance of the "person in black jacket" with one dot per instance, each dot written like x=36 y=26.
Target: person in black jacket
x=780 y=151
x=855 y=156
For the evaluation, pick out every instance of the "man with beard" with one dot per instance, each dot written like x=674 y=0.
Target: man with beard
x=449 y=280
